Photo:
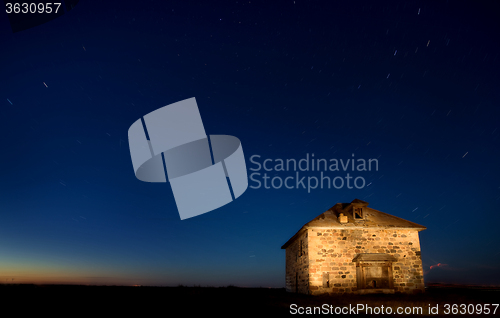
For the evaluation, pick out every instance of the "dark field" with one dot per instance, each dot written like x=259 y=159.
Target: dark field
x=234 y=301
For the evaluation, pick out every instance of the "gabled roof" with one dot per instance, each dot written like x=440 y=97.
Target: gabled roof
x=358 y=201
x=372 y=219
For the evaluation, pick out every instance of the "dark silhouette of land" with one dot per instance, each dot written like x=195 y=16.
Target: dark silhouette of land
x=238 y=301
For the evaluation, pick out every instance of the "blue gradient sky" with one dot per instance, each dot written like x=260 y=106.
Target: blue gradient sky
x=418 y=91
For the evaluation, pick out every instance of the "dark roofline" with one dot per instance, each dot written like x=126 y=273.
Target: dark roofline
x=417 y=227
x=290 y=241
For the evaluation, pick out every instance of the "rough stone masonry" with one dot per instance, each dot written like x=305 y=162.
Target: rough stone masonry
x=352 y=248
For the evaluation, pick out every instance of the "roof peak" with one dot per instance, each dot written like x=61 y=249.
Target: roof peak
x=357 y=215
x=359 y=202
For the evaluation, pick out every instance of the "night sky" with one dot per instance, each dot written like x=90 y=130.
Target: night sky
x=414 y=84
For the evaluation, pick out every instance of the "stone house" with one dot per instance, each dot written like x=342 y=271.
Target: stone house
x=352 y=248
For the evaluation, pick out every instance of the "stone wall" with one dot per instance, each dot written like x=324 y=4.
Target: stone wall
x=331 y=253
x=297 y=265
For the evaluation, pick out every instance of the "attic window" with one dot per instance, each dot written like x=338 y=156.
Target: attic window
x=358 y=213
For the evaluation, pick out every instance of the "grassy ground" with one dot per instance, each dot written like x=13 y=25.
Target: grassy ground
x=234 y=301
